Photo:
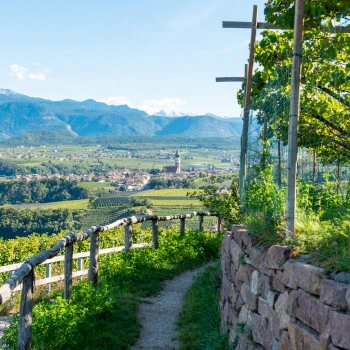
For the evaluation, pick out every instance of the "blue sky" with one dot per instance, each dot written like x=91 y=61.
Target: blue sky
x=149 y=54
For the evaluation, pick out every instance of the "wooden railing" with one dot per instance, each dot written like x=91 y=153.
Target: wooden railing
x=24 y=273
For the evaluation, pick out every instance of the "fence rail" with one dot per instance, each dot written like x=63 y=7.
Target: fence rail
x=22 y=277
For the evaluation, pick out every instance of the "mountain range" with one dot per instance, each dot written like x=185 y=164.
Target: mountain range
x=21 y=114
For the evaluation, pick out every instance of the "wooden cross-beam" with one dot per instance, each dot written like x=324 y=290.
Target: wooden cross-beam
x=229 y=79
x=248 y=25
x=265 y=25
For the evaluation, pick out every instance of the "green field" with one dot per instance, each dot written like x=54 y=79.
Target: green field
x=180 y=192
x=73 y=205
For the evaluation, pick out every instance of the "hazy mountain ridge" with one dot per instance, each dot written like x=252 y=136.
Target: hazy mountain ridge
x=21 y=114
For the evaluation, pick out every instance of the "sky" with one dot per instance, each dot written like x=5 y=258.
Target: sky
x=149 y=54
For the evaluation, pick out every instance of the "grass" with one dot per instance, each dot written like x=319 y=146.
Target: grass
x=73 y=205
x=199 y=321
x=325 y=243
x=173 y=202
x=105 y=317
x=180 y=192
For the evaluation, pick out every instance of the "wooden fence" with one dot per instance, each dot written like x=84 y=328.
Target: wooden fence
x=22 y=277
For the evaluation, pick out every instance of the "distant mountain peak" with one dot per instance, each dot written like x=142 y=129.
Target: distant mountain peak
x=172 y=114
x=7 y=92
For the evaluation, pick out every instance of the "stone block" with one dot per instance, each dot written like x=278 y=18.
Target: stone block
x=264 y=285
x=239 y=303
x=276 y=256
x=334 y=294
x=225 y=287
x=232 y=317
x=266 y=270
x=244 y=273
x=237 y=231
x=272 y=297
x=274 y=323
x=275 y=344
x=284 y=342
x=232 y=335
x=307 y=277
x=256 y=256
x=242 y=238
x=225 y=243
x=347 y=297
x=302 y=337
x=235 y=251
x=224 y=315
x=254 y=282
x=248 y=297
x=309 y=310
x=246 y=344
x=277 y=283
x=264 y=308
x=232 y=270
x=281 y=308
x=342 y=277
x=340 y=329
x=248 y=242
x=243 y=314
x=261 y=331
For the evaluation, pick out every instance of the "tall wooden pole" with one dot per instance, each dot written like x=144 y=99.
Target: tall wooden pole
x=247 y=98
x=293 y=119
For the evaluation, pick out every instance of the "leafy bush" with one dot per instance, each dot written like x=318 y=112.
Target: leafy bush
x=226 y=203
x=105 y=318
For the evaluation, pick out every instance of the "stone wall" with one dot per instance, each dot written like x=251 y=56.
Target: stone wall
x=270 y=301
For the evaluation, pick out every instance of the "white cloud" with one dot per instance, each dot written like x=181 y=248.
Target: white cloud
x=165 y=104
x=116 y=100
x=36 y=63
x=40 y=76
x=21 y=72
x=18 y=71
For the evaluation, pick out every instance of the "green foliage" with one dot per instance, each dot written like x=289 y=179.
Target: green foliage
x=264 y=196
x=324 y=122
x=199 y=321
x=224 y=202
x=105 y=318
x=16 y=222
x=324 y=199
x=42 y=191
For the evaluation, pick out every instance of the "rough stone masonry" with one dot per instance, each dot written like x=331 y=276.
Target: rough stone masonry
x=270 y=301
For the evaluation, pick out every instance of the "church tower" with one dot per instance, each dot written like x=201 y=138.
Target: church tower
x=177 y=162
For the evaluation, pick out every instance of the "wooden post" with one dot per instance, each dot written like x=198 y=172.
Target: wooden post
x=48 y=275
x=155 y=234
x=314 y=167
x=94 y=252
x=68 y=271
x=247 y=97
x=279 y=164
x=244 y=140
x=182 y=226
x=293 y=119
x=25 y=318
x=338 y=176
x=80 y=266
x=200 y=223
x=265 y=128
x=219 y=224
x=127 y=238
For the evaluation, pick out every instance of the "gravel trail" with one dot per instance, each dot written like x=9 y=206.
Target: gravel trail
x=158 y=315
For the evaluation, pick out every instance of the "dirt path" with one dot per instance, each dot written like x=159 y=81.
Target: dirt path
x=158 y=315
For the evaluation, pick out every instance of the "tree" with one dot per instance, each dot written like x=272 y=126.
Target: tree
x=324 y=124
